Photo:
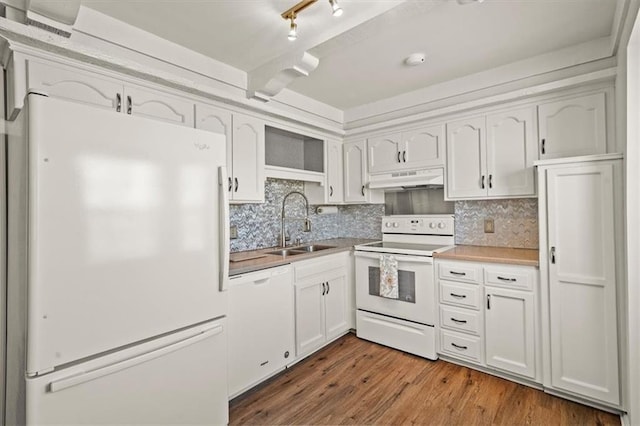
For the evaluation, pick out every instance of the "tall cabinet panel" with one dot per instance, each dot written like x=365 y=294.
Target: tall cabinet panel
x=582 y=239
x=466 y=158
x=334 y=171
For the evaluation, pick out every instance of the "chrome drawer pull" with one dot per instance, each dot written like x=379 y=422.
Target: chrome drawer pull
x=460 y=296
x=463 y=348
x=512 y=280
x=457 y=321
x=460 y=274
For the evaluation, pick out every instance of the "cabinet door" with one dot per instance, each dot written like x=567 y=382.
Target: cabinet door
x=354 y=171
x=423 y=147
x=466 y=159
x=157 y=105
x=335 y=192
x=310 y=317
x=75 y=85
x=217 y=120
x=510 y=331
x=582 y=281
x=336 y=311
x=384 y=153
x=248 y=159
x=511 y=151
x=573 y=127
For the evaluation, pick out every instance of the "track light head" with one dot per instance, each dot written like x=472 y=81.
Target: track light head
x=293 y=30
x=336 y=10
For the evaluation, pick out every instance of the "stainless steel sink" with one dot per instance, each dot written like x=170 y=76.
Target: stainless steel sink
x=311 y=248
x=286 y=252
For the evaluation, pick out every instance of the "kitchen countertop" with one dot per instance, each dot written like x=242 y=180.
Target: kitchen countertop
x=255 y=260
x=514 y=256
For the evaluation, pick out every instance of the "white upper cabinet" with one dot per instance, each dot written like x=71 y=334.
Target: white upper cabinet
x=384 y=153
x=412 y=149
x=97 y=90
x=247 y=159
x=423 y=147
x=354 y=171
x=492 y=156
x=218 y=120
x=573 y=127
x=334 y=171
x=466 y=159
x=511 y=151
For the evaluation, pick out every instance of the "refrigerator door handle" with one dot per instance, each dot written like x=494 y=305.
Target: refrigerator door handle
x=62 y=384
x=224 y=228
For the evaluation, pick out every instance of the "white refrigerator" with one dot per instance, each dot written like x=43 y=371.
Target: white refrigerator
x=117 y=265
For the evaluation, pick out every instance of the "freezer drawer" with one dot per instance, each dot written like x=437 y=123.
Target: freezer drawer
x=177 y=379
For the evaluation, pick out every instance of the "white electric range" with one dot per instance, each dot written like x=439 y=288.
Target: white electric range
x=408 y=322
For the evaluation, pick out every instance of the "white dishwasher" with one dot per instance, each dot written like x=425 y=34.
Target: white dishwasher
x=261 y=326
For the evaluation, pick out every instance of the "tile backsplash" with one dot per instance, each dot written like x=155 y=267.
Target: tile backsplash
x=259 y=224
x=516 y=223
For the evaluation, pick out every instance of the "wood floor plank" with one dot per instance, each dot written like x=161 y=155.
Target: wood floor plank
x=353 y=381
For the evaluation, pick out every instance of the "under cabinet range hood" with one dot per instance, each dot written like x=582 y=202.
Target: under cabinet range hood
x=398 y=181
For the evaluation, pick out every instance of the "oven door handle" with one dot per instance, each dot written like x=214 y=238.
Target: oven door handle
x=399 y=257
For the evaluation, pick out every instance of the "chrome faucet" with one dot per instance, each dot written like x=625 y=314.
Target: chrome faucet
x=307 y=222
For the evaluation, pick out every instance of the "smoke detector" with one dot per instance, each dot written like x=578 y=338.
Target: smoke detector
x=415 y=59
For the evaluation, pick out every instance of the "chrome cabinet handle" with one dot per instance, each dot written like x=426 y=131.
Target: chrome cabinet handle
x=118 y=102
x=482 y=183
x=461 y=274
x=544 y=142
x=230 y=184
x=457 y=321
x=553 y=255
x=488 y=301
x=399 y=161
x=459 y=296
x=363 y=190
x=330 y=190
x=129 y=105
x=512 y=280
x=464 y=348
x=328 y=287
x=236 y=182
x=324 y=289
x=404 y=156
x=490 y=181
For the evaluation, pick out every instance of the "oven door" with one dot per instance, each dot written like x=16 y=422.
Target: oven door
x=417 y=297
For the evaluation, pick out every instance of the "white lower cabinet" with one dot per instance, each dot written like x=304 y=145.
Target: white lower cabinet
x=322 y=301
x=510 y=331
x=488 y=316
x=261 y=326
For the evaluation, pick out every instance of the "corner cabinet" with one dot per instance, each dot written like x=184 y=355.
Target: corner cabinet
x=573 y=127
x=322 y=301
x=492 y=156
x=581 y=247
x=245 y=150
x=411 y=149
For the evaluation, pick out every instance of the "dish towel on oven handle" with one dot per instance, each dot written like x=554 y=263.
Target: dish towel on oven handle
x=388 y=276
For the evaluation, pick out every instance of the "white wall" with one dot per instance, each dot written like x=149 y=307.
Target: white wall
x=632 y=61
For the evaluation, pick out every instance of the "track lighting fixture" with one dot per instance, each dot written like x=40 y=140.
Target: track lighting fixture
x=292 y=14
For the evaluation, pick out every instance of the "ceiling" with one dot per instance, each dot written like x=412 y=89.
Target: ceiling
x=361 y=53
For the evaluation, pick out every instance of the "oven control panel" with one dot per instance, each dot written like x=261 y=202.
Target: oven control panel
x=421 y=225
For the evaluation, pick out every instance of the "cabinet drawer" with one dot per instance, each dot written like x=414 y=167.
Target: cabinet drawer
x=510 y=277
x=460 y=319
x=460 y=294
x=467 y=273
x=461 y=346
x=322 y=265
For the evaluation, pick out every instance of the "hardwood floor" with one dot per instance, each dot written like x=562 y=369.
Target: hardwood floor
x=353 y=381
